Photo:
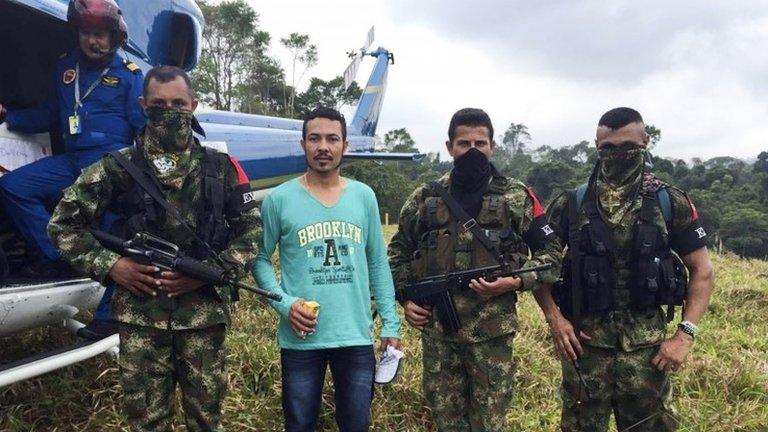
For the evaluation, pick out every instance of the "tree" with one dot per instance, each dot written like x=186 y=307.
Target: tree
x=399 y=141
x=262 y=90
x=745 y=231
x=303 y=53
x=326 y=93
x=515 y=138
x=518 y=167
x=231 y=40
x=664 y=168
x=762 y=181
x=761 y=164
x=390 y=185
x=549 y=178
x=654 y=134
x=575 y=155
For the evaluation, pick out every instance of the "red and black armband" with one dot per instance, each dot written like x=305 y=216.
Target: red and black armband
x=540 y=232
x=242 y=198
x=690 y=238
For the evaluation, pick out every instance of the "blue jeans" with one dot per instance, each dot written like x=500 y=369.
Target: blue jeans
x=303 y=373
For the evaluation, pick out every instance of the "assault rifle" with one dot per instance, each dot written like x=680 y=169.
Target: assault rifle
x=437 y=290
x=148 y=249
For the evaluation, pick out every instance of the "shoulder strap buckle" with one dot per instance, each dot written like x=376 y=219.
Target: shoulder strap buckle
x=468 y=225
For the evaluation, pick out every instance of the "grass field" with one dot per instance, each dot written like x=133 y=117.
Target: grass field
x=722 y=387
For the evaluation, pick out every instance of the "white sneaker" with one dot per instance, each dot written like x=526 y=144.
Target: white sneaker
x=388 y=365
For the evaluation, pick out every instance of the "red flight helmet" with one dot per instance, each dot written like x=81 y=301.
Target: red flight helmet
x=104 y=14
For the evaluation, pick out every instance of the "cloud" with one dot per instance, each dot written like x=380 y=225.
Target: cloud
x=695 y=69
x=594 y=40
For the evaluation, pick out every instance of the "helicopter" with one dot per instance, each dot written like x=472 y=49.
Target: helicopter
x=166 y=32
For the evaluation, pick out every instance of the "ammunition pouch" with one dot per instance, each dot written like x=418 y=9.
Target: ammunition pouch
x=659 y=281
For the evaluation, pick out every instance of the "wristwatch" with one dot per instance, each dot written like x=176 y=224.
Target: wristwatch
x=689 y=328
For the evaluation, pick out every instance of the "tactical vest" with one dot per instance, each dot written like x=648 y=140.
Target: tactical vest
x=140 y=212
x=445 y=245
x=657 y=275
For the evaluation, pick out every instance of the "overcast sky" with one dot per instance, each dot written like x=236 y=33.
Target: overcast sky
x=698 y=70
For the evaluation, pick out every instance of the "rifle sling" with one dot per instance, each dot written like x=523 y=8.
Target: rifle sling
x=465 y=220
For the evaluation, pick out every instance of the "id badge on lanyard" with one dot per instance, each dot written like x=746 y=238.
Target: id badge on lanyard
x=75 y=126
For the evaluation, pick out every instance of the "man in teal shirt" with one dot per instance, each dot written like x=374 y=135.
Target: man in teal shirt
x=332 y=252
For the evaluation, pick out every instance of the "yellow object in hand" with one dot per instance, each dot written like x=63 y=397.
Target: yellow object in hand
x=312 y=306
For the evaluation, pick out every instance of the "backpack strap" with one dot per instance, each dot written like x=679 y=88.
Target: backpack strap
x=580 y=192
x=214 y=188
x=662 y=196
x=151 y=209
x=574 y=250
x=213 y=193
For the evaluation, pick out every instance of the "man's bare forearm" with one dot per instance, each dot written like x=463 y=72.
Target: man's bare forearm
x=543 y=296
x=700 y=284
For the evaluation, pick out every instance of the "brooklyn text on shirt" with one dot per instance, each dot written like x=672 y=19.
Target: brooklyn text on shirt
x=330 y=229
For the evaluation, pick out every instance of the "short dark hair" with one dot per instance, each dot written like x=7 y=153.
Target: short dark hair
x=166 y=74
x=473 y=117
x=326 y=113
x=617 y=118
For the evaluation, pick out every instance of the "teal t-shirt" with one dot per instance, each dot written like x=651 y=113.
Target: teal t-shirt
x=333 y=255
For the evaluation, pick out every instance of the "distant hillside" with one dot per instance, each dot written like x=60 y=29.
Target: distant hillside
x=730 y=194
x=723 y=387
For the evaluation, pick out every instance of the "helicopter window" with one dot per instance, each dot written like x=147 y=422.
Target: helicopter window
x=182 y=49
x=32 y=43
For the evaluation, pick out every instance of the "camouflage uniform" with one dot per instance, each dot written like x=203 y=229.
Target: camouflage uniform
x=469 y=375
x=159 y=346
x=616 y=363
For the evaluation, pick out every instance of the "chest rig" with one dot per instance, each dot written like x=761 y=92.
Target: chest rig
x=657 y=276
x=448 y=243
x=139 y=211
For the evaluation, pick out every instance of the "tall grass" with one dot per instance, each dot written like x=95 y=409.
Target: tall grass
x=722 y=387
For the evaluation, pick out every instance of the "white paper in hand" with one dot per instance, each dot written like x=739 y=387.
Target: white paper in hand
x=388 y=365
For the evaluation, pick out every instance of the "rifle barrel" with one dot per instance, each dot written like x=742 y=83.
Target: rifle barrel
x=539 y=267
x=265 y=293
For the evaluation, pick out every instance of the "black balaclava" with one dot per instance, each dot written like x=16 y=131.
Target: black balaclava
x=469 y=180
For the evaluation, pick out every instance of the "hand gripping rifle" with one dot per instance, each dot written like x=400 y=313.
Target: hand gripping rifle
x=437 y=290
x=148 y=249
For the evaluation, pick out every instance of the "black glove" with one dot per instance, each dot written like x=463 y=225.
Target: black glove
x=2 y=113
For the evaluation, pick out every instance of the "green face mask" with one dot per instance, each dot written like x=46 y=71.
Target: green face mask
x=618 y=166
x=168 y=128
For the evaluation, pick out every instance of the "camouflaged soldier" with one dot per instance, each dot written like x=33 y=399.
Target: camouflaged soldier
x=469 y=375
x=163 y=341
x=622 y=228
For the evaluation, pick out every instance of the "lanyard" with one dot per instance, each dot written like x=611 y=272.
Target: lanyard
x=78 y=99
